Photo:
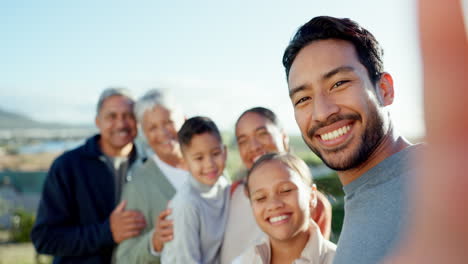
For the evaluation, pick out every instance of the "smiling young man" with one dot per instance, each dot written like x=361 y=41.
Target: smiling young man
x=340 y=95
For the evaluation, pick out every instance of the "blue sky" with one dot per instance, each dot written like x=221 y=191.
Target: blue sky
x=217 y=57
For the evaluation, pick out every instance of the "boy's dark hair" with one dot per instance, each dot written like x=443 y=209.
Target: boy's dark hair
x=367 y=48
x=195 y=126
x=262 y=111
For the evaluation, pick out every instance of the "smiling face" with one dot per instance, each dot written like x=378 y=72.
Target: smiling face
x=339 y=111
x=116 y=124
x=205 y=157
x=160 y=128
x=256 y=136
x=281 y=201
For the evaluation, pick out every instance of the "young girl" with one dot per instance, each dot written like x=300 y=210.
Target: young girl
x=282 y=203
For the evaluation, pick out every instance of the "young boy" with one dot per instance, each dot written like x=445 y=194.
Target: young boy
x=282 y=197
x=200 y=208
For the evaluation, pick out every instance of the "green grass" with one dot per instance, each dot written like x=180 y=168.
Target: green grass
x=21 y=253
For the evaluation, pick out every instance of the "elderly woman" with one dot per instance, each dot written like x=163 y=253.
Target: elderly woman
x=156 y=180
x=258 y=132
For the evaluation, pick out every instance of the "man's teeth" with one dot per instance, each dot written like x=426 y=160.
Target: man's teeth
x=278 y=218
x=336 y=133
x=122 y=133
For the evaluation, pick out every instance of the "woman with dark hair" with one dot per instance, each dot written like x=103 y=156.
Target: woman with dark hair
x=259 y=132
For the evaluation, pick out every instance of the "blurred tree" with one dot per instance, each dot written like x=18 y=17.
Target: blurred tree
x=22 y=225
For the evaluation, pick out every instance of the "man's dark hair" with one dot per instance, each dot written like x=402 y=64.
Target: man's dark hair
x=367 y=48
x=196 y=126
x=262 y=111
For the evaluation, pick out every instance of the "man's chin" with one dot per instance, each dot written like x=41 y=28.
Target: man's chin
x=122 y=140
x=337 y=166
x=336 y=160
x=343 y=160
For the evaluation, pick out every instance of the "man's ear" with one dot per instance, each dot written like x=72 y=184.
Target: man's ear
x=96 y=121
x=384 y=89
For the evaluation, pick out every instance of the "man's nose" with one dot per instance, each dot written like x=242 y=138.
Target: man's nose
x=124 y=120
x=120 y=121
x=323 y=107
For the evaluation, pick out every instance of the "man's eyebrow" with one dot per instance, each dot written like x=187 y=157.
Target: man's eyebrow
x=335 y=71
x=325 y=76
x=296 y=90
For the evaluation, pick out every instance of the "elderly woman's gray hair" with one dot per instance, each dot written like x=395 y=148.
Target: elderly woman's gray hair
x=153 y=98
x=113 y=91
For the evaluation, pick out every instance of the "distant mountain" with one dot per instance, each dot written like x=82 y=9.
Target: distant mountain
x=11 y=120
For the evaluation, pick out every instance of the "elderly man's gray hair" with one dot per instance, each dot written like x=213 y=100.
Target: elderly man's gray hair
x=153 y=98
x=112 y=92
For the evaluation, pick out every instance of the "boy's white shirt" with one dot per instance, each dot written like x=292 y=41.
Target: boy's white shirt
x=199 y=213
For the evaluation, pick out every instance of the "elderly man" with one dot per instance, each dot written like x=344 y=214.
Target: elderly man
x=156 y=180
x=340 y=93
x=78 y=220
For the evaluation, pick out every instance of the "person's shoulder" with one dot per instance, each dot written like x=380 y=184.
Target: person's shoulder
x=318 y=246
x=235 y=186
x=404 y=161
x=249 y=255
x=409 y=153
x=185 y=197
x=329 y=246
x=255 y=252
x=184 y=204
x=68 y=157
x=238 y=194
x=146 y=178
x=89 y=148
x=327 y=249
x=145 y=170
x=75 y=158
x=328 y=252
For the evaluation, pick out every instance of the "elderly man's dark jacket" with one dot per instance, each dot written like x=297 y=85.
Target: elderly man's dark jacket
x=77 y=200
